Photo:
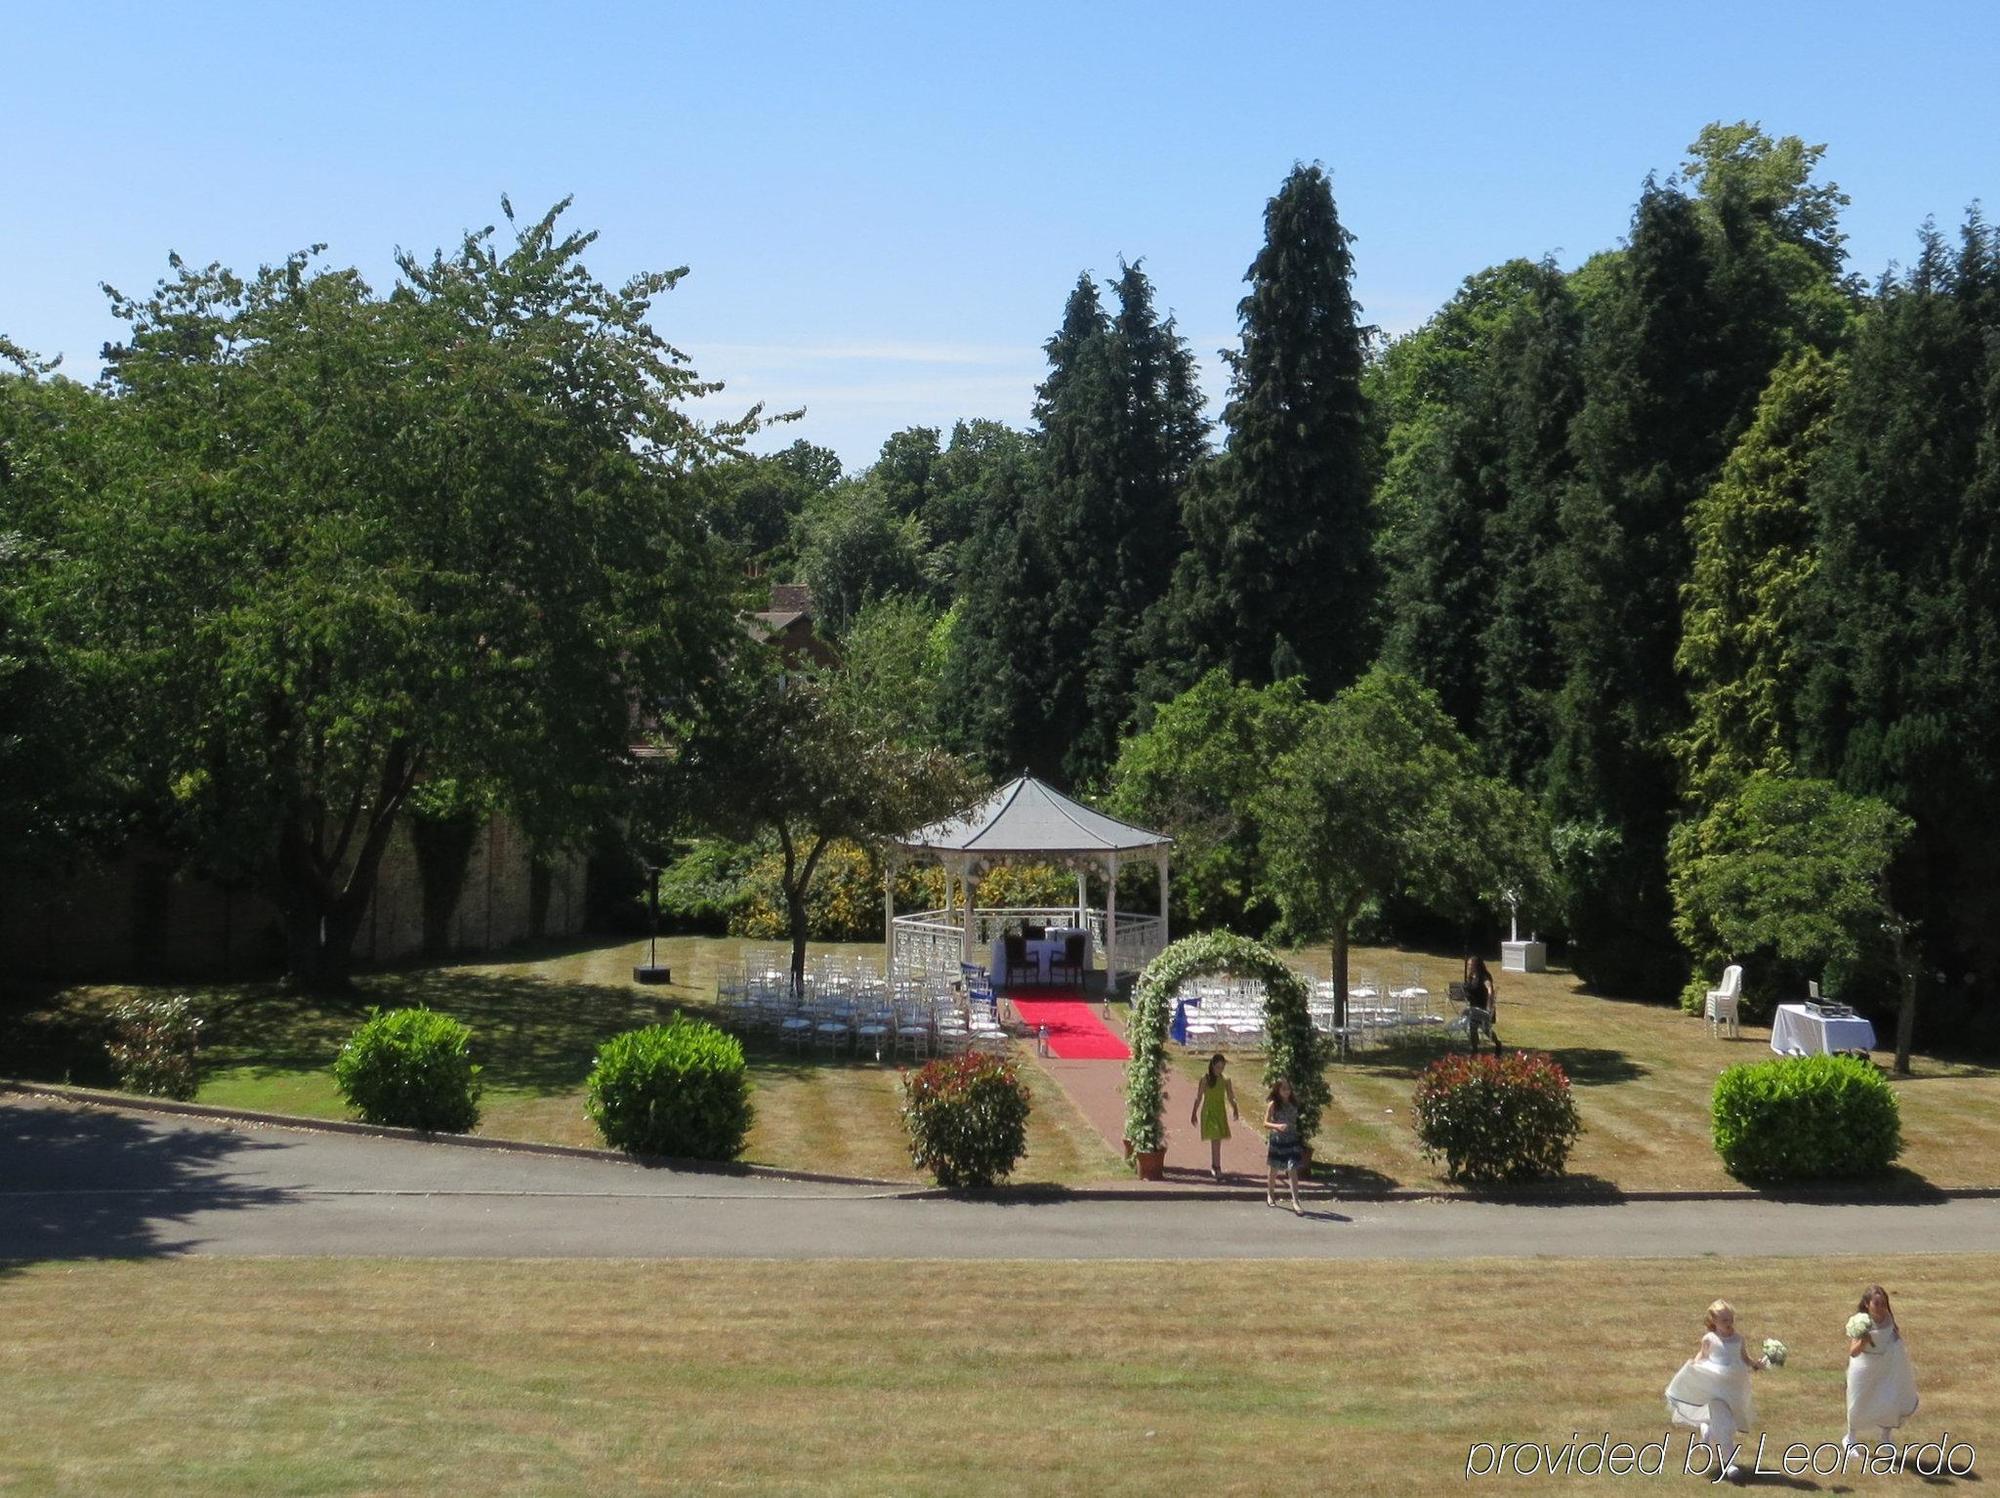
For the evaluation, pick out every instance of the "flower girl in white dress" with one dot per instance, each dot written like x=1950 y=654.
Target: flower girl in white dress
x=1712 y=1390
x=1881 y=1385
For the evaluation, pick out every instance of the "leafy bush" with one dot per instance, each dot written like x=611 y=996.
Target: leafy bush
x=153 y=1046
x=707 y=887
x=968 y=1119
x=1805 y=1118
x=1497 y=1118
x=674 y=1089
x=412 y=1069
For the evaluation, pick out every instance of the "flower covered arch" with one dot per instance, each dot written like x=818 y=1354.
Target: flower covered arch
x=1294 y=1053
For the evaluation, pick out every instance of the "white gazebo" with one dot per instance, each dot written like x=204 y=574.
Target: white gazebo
x=1029 y=822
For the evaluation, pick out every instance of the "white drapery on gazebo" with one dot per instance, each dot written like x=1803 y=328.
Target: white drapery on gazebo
x=1027 y=821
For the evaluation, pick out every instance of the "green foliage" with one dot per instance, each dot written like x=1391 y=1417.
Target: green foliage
x=1788 y=877
x=1294 y=1051
x=1806 y=1118
x=890 y=669
x=1195 y=774
x=755 y=501
x=1279 y=578
x=1379 y=798
x=1497 y=1118
x=708 y=887
x=1902 y=698
x=411 y=1069
x=1753 y=567
x=852 y=549
x=153 y=1046
x=492 y=498
x=788 y=763
x=968 y=1119
x=678 y=1090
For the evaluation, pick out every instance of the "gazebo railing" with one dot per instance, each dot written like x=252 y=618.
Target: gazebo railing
x=932 y=940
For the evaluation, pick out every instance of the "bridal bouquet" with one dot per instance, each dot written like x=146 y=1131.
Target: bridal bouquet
x=1774 y=1352
x=1860 y=1324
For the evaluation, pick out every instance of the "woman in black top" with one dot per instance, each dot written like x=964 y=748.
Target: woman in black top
x=1483 y=995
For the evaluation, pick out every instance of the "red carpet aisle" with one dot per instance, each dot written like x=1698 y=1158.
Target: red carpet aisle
x=1075 y=1031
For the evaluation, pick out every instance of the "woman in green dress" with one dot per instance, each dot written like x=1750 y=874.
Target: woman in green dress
x=1214 y=1106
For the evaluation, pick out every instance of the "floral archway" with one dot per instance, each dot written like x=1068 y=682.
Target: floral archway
x=1295 y=1051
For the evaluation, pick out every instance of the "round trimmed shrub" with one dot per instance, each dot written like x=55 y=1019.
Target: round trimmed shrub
x=153 y=1047
x=968 y=1119
x=1497 y=1118
x=1805 y=1118
x=676 y=1089
x=411 y=1068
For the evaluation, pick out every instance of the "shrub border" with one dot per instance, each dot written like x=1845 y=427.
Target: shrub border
x=1294 y=1050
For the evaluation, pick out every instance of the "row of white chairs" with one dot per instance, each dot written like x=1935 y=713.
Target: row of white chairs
x=1228 y=1013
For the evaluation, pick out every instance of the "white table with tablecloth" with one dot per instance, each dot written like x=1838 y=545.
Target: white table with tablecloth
x=1795 y=1028
x=1043 y=953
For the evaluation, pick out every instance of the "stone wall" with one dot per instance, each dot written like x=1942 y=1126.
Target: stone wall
x=143 y=917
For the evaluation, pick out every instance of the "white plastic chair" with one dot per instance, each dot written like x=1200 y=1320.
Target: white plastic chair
x=1720 y=1007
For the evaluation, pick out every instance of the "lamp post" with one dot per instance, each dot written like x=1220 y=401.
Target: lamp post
x=650 y=970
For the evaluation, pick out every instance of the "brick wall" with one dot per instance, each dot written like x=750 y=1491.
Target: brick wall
x=141 y=916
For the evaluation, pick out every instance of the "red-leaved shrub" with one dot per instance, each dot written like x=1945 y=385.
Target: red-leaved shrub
x=1497 y=1118
x=968 y=1118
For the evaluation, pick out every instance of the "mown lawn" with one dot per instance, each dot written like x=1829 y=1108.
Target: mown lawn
x=1642 y=1073
x=537 y=1023
x=1642 y=1076
x=320 y=1377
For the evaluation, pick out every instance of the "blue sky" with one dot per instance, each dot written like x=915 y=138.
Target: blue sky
x=883 y=206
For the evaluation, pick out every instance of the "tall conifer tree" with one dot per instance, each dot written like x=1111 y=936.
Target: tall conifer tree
x=1279 y=575
x=1657 y=417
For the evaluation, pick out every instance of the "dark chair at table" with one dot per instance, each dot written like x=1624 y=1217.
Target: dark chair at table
x=1033 y=932
x=1068 y=966
x=1018 y=961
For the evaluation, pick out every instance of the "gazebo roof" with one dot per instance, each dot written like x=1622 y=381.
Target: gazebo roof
x=1026 y=816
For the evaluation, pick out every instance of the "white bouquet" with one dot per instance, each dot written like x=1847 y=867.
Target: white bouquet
x=1774 y=1352
x=1860 y=1324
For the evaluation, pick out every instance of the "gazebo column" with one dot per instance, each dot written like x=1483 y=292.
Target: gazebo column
x=1111 y=925
x=965 y=888
x=1162 y=859
x=889 y=925
x=1082 y=901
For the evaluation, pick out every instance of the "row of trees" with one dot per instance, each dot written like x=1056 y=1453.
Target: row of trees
x=1687 y=550
x=1704 y=508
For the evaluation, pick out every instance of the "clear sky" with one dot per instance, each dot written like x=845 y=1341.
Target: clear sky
x=884 y=206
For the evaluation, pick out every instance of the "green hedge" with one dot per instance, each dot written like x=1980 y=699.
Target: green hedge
x=968 y=1119
x=1497 y=1118
x=676 y=1089
x=1806 y=1118
x=411 y=1068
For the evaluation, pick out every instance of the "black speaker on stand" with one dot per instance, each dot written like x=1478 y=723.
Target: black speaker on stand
x=650 y=970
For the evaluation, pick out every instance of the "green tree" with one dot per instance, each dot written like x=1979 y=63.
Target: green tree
x=788 y=761
x=890 y=668
x=1195 y=773
x=757 y=500
x=358 y=541
x=1902 y=700
x=1477 y=427
x=853 y=548
x=1745 y=624
x=1790 y=878
x=1279 y=577
x=1380 y=798
x=1657 y=418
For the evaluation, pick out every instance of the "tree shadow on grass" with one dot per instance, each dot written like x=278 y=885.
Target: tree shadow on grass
x=81 y=1183
x=1406 y=1056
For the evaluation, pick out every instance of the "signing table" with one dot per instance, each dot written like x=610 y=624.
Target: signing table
x=1795 y=1029
x=1043 y=952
